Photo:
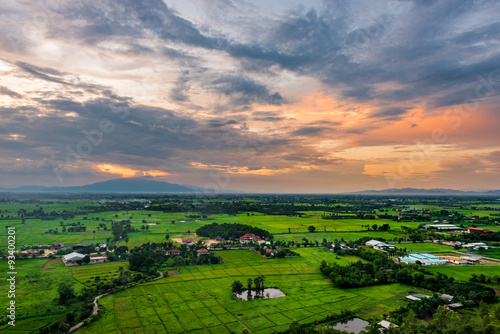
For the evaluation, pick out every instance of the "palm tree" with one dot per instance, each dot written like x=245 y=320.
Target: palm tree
x=262 y=278
x=249 y=282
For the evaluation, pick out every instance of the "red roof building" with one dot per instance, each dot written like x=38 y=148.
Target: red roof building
x=202 y=251
x=57 y=245
x=173 y=252
x=188 y=242
x=478 y=229
x=249 y=237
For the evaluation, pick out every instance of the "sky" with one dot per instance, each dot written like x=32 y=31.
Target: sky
x=258 y=96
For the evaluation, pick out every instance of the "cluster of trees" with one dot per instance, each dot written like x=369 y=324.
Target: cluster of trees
x=227 y=231
x=237 y=286
x=482 y=278
x=355 y=275
x=80 y=228
x=149 y=257
x=277 y=253
x=121 y=228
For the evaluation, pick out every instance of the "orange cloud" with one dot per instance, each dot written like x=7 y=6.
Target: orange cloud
x=243 y=170
x=128 y=172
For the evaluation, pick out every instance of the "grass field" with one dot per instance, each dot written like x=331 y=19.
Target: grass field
x=199 y=299
x=36 y=293
x=463 y=273
x=423 y=247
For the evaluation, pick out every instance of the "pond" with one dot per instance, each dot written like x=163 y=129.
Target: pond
x=354 y=325
x=260 y=294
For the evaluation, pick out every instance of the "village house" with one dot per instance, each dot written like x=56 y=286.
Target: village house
x=96 y=258
x=249 y=237
x=272 y=251
x=188 y=242
x=173 y=252
x=57 y=245
x=386 y=324
x=448 y=298
x=202 y=251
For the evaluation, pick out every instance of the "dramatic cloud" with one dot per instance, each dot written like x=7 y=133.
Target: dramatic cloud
x=302 y=96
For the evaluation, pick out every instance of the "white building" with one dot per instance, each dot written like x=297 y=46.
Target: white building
x=379 y=245
x=476 y=245
x=72 y=257
x=386 y=324
x=443 y=227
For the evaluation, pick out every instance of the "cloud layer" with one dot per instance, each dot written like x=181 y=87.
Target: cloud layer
x=301 y=96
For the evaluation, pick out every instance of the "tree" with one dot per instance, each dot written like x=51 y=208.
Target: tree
x=249 y=283
x=374 y=227
x=484 y=310
x=257 y=282
x=496 y=312
x=167 y=236
x=117 y=231
x=66 y=293
x=178 y=261
x=237 y=287
x=295 y=327
x=311 y=228
x=245 y=331
x=86 y=259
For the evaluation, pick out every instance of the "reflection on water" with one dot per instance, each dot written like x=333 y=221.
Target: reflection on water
x=260 y=294
x=354 y=325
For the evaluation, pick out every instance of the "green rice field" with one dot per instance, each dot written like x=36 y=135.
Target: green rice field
x=199 y=300
x=106 y=271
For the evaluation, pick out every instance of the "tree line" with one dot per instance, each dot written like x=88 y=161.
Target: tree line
x=227 y=231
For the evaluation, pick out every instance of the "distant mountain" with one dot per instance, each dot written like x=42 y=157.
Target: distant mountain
x=125 y=185
x=428 y=192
